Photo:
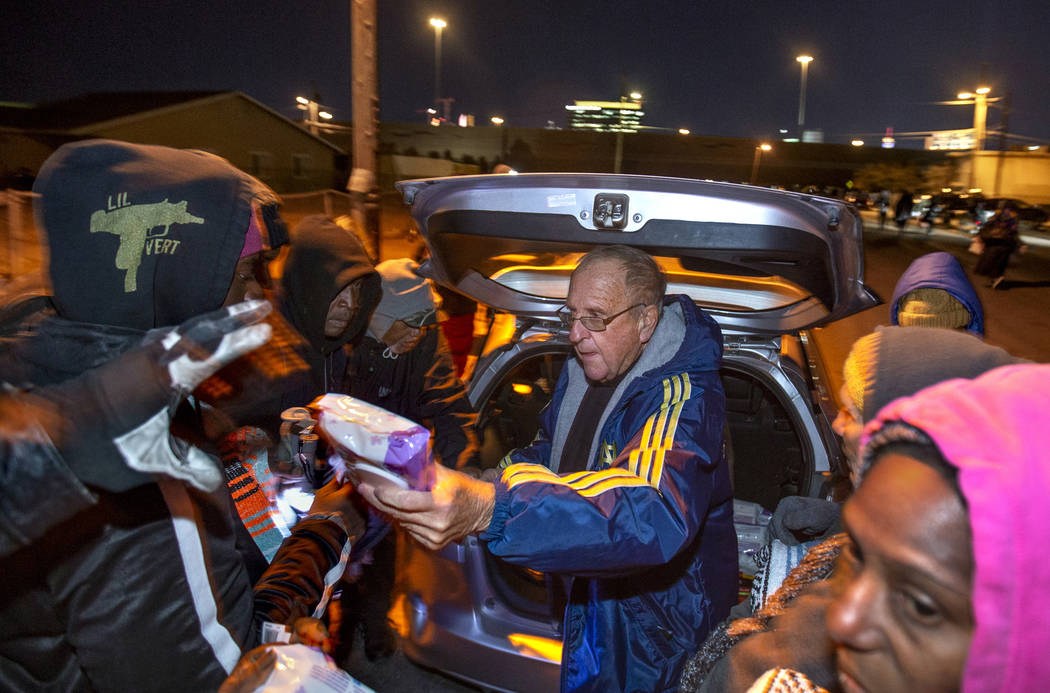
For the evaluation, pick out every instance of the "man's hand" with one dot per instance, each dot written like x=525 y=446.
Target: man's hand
x=252 y=670
x=177 y=361
x=335 y=498
x=456 y=507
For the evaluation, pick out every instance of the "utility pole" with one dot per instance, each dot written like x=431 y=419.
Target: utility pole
x=1002 y=143
x=364 y=194
x=803 y=60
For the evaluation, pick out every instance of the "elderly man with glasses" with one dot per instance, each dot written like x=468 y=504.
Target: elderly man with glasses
x=625 y=491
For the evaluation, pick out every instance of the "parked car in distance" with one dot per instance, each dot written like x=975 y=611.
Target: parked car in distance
x=858 y=198
x=1029 y=217
x=768 y=265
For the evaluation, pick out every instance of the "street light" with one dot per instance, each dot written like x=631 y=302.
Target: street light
x=496 y=120
x=438 y=25
x=979 y=99
x=857 y=143
x=313 y=113
x=683 y=131
x=758 y=157
x=804 y=60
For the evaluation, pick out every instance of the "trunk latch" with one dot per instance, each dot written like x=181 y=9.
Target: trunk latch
x=610 y=211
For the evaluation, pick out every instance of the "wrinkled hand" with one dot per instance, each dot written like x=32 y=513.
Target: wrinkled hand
x=202 y=345
x=337 y=498
x=252 y=670
x=456 y=507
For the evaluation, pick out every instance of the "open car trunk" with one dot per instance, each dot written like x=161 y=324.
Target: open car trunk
x=763 y=260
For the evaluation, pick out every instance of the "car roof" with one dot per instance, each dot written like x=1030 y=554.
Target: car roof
x=757 y=259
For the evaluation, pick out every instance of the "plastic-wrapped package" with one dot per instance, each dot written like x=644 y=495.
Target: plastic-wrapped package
x=378 y=446
x=302 y=669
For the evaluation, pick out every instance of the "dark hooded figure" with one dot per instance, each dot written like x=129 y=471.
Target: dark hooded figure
x=143 y=586
x=329 y=289
x=327 y=292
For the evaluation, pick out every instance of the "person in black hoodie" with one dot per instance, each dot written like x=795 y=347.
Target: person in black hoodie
x=143 y=588
x=328 y=292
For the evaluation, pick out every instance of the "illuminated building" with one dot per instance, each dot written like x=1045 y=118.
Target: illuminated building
x=624 y=115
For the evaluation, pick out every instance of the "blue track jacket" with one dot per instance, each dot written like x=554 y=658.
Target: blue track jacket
x=646 y=534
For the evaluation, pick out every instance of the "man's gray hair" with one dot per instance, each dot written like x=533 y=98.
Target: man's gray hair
x=643 y=278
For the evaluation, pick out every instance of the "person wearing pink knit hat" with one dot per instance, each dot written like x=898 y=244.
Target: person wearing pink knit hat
x=945 y=574
x=942 y=580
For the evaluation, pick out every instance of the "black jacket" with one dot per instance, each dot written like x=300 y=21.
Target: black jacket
x=322 y=260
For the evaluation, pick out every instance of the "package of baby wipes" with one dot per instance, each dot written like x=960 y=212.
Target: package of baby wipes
x=376 y=445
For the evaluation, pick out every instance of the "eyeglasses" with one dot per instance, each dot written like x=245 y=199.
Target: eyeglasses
x=593 y=323
x=418 y=320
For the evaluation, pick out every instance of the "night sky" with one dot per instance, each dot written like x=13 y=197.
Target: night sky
x=725 y=68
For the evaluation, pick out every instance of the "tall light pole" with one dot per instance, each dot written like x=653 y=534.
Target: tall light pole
x=758 y=157
x=979 y=99
x=804 y=60
x=315 y=113
x=438 y=24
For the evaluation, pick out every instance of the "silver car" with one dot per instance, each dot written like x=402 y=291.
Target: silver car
x=767 y=265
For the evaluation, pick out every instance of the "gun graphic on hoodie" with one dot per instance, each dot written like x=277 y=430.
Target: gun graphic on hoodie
x=132 y=224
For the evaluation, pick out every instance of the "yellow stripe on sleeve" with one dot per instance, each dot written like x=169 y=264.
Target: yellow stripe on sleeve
x=645 y=464
x=610 y=484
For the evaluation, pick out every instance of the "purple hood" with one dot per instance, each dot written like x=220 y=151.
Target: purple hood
x=994 y=430
x=940 y=271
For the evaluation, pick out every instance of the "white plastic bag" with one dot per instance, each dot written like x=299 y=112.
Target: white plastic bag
x=302 y=669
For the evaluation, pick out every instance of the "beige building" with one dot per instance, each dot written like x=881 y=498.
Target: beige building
x=1024 y=175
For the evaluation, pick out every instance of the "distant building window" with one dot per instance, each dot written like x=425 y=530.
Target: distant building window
x=302 y=165
x=606 y=116
x=262 y=164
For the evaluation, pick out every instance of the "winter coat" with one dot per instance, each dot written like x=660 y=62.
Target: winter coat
x=646 y=533
x=1001 y=238
x=146 y=589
